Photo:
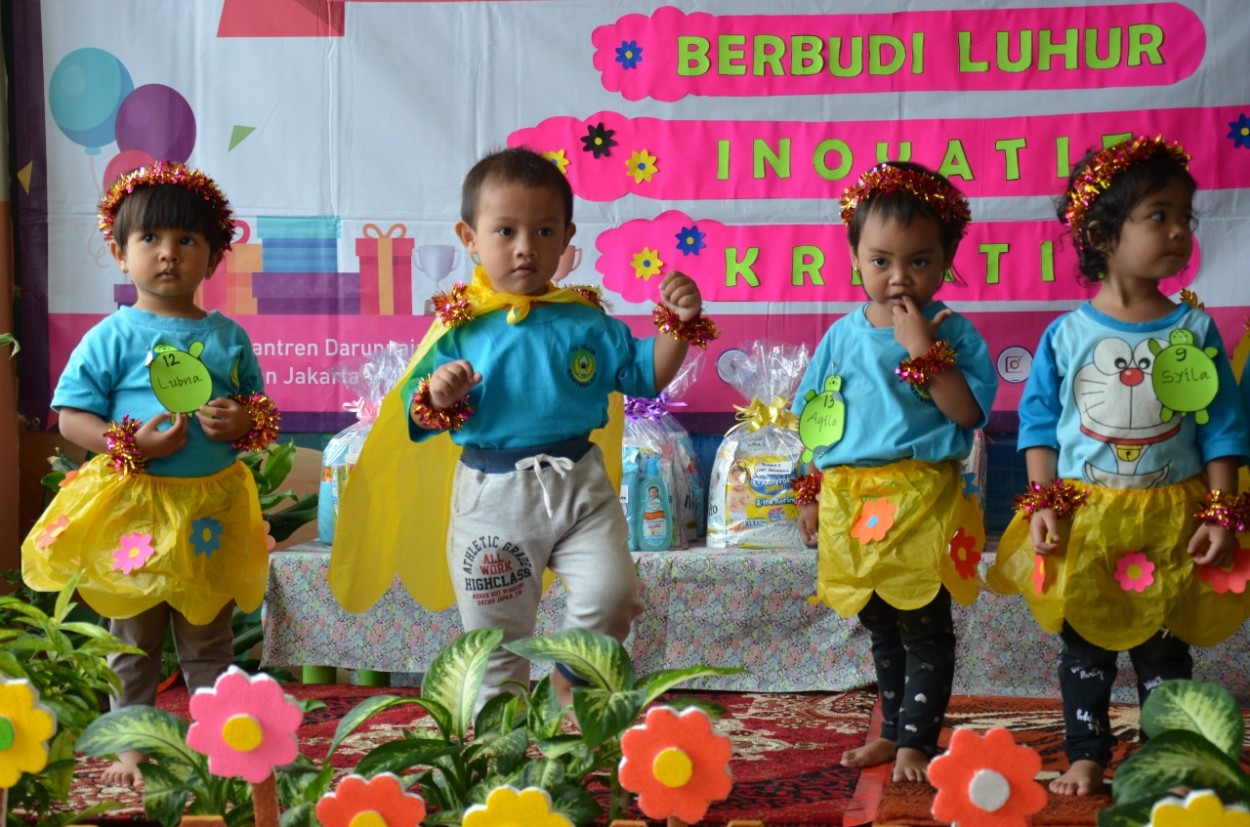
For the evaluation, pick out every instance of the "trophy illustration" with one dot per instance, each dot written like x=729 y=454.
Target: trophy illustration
x=436 y=261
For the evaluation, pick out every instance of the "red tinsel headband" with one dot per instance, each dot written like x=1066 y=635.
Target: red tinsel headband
x=1104 y=167
x=166 y=172
x=933 y=190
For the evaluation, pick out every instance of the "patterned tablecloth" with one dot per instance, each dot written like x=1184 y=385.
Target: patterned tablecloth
x=721 y=607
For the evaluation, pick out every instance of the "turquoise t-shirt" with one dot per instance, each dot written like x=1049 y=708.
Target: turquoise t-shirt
x=108 y=375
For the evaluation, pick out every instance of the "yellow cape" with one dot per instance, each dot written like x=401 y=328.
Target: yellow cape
x=394 y=511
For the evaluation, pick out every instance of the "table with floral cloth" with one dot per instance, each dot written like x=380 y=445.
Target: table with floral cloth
x=753 y=609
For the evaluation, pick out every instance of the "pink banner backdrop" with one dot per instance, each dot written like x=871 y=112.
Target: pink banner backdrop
x=608 y=155
x=670 y=54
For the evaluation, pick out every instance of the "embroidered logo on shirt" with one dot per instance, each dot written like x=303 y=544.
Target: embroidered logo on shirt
x=582 y=365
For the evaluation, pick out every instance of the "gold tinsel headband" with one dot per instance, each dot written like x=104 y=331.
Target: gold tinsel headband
x=933 y=190
x=1102 y=170
x=166 y=172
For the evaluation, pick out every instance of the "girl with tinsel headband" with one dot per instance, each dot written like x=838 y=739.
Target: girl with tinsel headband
x=888 y=410
x=1132 y=434
x=164 y=520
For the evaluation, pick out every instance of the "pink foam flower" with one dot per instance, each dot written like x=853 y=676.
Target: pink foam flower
x=245 y=725
x=964 y=554
x=1231 y=579
x=51 y=531
x=379 y=800
x=134 y=550
x=1134 y=571
x=676 y=763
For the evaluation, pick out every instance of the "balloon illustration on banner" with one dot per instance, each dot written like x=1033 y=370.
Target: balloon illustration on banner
x=86 y=89
x=157 y=120
x=123 y=162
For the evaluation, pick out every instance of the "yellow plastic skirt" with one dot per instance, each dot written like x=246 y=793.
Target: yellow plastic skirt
x=901 y=530
x=195 y=543
x=1122 y=571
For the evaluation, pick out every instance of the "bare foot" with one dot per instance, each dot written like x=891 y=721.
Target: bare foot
x=910 y=765
x=1082 y=778
x=124 y=772
x=871 y=754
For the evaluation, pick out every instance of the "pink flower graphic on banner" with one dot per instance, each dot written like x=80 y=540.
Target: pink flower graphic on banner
x=964 y=554
x=134 y=551
x=245 y=725
x=51 y=531
x=1134 y=571
x=875 y=519
x=641 y=166
x=646 y=264
x=558 y=158
x=1233 y=578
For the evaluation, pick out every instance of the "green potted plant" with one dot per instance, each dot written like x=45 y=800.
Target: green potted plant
x=1195 y=732
x=515 y=739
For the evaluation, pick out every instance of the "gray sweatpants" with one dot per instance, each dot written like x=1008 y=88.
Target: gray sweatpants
x=204 y=652
x=507 y=527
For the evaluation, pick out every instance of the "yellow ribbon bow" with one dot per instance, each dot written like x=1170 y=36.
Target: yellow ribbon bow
x=757 y=415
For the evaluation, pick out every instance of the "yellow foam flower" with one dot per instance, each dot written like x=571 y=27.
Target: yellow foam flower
x=646 y=264
x=509 y=807
x=25 y=727
x=1201 y=808
x=641 y=166
x=558 y=158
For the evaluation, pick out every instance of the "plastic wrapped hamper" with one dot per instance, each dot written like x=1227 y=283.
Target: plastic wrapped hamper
x=375 y=378
x=750 y=503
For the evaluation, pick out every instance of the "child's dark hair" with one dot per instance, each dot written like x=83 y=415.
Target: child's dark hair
x=1104 y=188
x=166 y=207
x=519 y=165
x=901 y=191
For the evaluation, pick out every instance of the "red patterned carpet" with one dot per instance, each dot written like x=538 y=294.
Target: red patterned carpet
x=785 y=761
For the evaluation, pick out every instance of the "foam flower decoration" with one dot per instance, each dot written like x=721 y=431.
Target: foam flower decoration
x=646 y=264
x=1039 y=573
x=25 y=728
x=690 y=240
x=1134 y=571
x=986 y=782
x=641 y=166
x=875 y=519
x=133 y=551
x=379 y=801
x=270 y=542
x=245 y=725
x=598 y=140
x=51 y=531
x=510 y=807
x=1201 y=808
x=629 y=54
x=205 y=536
x=558 y=158
x=1232 y=579
x=964 y=554
x=68 y=479
x=676 y=763
x=1239 y=132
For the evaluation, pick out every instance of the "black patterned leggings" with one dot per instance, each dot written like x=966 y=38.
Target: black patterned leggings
x=1086 y=675
x=913 y=651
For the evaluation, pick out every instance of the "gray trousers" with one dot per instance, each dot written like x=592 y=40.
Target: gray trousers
x=204 y=652
x=508 y=527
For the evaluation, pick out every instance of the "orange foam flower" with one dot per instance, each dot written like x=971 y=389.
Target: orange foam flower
x=1039 y=573
x=986 y=782
x=1232 y=579
x=875 y=519
x=676 y=764
x=380 y=800
x=964 y=554
x=51 y=531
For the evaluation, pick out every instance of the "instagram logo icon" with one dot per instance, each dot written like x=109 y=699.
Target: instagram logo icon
x=1014 y=364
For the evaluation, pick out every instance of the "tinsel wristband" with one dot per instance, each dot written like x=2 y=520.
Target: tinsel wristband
x=126 y=456
x=265 y=422
x=697 y=331
x=1223 y=509
x=1059 y=495
x=919 y=370
x=425 y=415
x=807 y=488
